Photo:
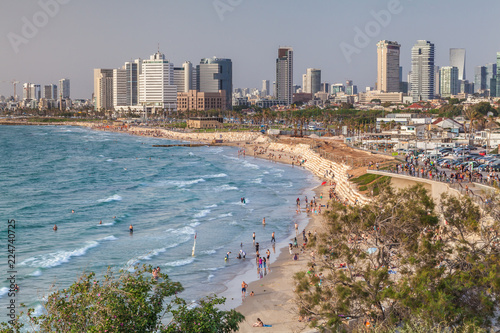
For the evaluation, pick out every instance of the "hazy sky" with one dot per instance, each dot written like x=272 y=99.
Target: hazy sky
x=79 y=35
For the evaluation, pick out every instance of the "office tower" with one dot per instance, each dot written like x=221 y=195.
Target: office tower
x=64 y=88
x=305 y=88
x=183 y=77
x=36 y=92
x=450 y=85
x=284 y=75
x=50 y=91
x=156 y=83
x=388 y=70
x=325 y=87
x=216 y=74
x=457 y=59
x=422 y=71
x=350 y=89
x=265 y=88
x=26 y=90
x=437 y=78
x=498 y=76
x=103 y=89
x=120 y=79
x=491 y=71
x=126 y=84
x=313 y=80
x=480 y=79
x=337 y=88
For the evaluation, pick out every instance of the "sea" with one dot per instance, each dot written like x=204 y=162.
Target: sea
x=114 y=180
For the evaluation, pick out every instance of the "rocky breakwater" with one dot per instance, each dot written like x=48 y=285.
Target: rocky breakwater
x=225 y=137
x=325 y=169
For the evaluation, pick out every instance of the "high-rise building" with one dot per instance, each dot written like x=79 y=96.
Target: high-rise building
x=50 y=91
x=450 y=84
x=26 y=90
x=437 y=81
x=422 y=71
x=491 y=71
x=388 y=70
x=305 y=88
x=156 y=84
x=183 y=77
x=313 y=81
x=325 y=87
x=265 y=88
x=480 y=79
x=64 y=88
x=350 y=89
x=103 y=89
x=457 y=59
x=284 y=75
x=497 y=93
x=215 y=74
x=337 y=88
x=126 y=84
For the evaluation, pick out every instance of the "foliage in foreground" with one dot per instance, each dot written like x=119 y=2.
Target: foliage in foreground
x=403 y=261
x=128 y=302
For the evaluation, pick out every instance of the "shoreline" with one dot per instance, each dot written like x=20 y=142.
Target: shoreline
x=274 y=296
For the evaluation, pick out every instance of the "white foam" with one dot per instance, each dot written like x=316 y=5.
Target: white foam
x=182 y=262
x=194 y=224
x=225 y=187
x=210 y=277
x=211 y=206
x=202 y=213
x=36 y=273
x=3 y=291
x=190 y=154
x=219 y=175
x=115 y=197
x=109 y=238
x=182 y=183
x=225 y=215
x=57 y=258
x=109 y=160
x=257 y=181
x=250 y=166
x=184 y=231
x=208 y=252
x=106 y=224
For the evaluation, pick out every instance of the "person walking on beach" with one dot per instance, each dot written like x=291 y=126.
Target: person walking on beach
x=244 y=287
x=253 y=236
x=272 y=238
x=257 y=247
x=268 y=253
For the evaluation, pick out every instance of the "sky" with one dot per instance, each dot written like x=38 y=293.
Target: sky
x=43 y=41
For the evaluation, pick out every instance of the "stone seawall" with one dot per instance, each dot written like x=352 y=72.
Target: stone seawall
x=325 y=169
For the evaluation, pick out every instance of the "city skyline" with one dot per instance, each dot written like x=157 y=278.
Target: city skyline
x=45 y=55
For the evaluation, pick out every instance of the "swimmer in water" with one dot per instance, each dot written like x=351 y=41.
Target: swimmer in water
x=264 y=221
x=131 y=228
x=72 y=211
x=55 y=227
x=100 y=222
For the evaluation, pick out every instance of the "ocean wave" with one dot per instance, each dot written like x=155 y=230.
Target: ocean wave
x=36 y=273
x=225 y=215
x=182 y=183
x=211 y=206
x=115 y=197
x=106 y=224
x=109 y=238
x=183 y=231
x=57 y=258
x=3 y=291
x=194 y=224
x=202 y=213
x=250 y=166
x=219 y=175
x=257 y=181
x=109 y=160
x=208 y=252
x=210 y=276
x=225 y=187
x=181 y=262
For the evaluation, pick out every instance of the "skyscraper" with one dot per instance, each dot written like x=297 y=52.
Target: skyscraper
x=215 y=74
x=126 y=84
x=313 y=80
x=497 y=93
x=103 y=89
x=156 y=84
x=64 y=88
x=480 y=79
x=183 y=77
x=265 y=88
x=457 y=59
x=305 y=88
x=50 y=92
x=120 y=79
x=450 y=85
x=388 y=70
x=284 y=75
x=422 y=71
